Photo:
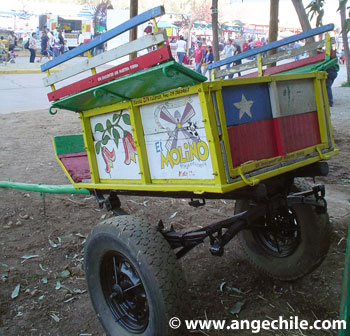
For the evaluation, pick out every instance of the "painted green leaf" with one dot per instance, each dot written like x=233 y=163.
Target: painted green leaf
x=98 y=147
x=105 y=139
x=109 y=126
x=126 y=119
x=99 y=127
x=115 y=117
x=116 y=136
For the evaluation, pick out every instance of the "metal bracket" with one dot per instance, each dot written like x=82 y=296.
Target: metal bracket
x=112 y=202
x=196 y=203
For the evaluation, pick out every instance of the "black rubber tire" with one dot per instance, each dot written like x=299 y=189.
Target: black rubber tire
x=315 y=234
x=150 y=254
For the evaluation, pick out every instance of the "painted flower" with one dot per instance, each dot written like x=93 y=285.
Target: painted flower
x=130 y=149
x=109 y=158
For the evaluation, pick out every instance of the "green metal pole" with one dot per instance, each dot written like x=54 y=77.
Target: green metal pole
x=44 y=188
x=345 y=298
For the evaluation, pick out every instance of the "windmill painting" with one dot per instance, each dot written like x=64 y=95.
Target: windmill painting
x=176 y=140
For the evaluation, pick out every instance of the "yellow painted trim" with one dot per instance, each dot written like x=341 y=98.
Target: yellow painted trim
x=184 y=181
x=211 y=131
x=327 y=111
x=177 y=93
x=200 y=189
x=139 y=141
x=53 y=88
x=61 y=164
x=106 y=109
x=251 y=181
x=252 y=166
x=223 y=123
x=120 y=181
x=320 y=110
x=90 y=149
x=260 y=65
x=328 y=46
x=93 y=70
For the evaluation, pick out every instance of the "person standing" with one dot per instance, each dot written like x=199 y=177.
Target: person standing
x=198 y=57
x=181 y=48
x=237 y=50
x=44 y=46
x=12 y=41
x=61 y=41
x=208 y=59
x=228 y=52
x=32 y=47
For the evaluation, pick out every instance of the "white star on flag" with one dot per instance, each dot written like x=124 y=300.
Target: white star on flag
x=244 y=107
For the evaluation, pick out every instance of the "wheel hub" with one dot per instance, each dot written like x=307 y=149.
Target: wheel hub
x=124 y=292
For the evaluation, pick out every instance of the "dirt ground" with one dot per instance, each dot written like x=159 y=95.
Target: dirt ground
x=42 y=237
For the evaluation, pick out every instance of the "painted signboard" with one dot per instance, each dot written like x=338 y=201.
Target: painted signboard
x=114 y=146
x=175 y=138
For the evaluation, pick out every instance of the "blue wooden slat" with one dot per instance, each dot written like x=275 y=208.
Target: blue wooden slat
x=273 y=45
x=122 y=28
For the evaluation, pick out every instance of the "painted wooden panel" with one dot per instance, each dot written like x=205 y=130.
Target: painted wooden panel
x=108 y=56
x=299 y=131
x=176 y=143
x=292 y=97
x=125 y=26
x=77 y=165
x=254 y=141
x=140 y=63
x=114 y=146
x=246 y=103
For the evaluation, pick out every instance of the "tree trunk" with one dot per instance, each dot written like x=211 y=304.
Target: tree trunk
x=214 y=20
x=133 y=32
x=273 y=29
x=345 y=38
x=304 y=20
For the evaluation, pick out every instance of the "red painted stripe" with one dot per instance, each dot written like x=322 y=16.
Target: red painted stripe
x=289 y=66
x=280 y=146
x=77 y=165
x=253 y=141
x=143 y=62
x=299 y=131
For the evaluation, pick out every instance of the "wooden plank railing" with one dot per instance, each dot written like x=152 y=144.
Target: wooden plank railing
x=272 y=45
x=108 y=56
x=122 y=28
x=271 y=59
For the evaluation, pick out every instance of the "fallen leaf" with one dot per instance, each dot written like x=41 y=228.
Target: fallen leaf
x=55 y=317
x=64 y=274
x=52 y=243
x=58 y=285
x=173 y=215
x=26 y=257
x=42 y=268
x=44 y=280
x=237 y=307
x=41 y=297
x=15 y=291
x=4 y=265
x=222 y=285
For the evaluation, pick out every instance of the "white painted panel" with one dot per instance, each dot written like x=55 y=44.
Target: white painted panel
x=292 y=97
x=176 y=143
x=116 y=158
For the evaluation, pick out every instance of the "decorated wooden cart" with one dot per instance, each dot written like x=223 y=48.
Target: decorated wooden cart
x=151 y=126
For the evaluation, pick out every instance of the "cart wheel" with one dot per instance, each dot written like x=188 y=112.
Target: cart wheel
x=133 y=278
x=290 y=245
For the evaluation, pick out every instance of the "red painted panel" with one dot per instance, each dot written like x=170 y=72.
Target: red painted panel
x=140 y=63
x=289 y=66
x=299 y=131
x=253 y=141
x=77 y=165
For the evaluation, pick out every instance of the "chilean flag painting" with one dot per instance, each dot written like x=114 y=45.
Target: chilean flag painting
x=266 y=120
